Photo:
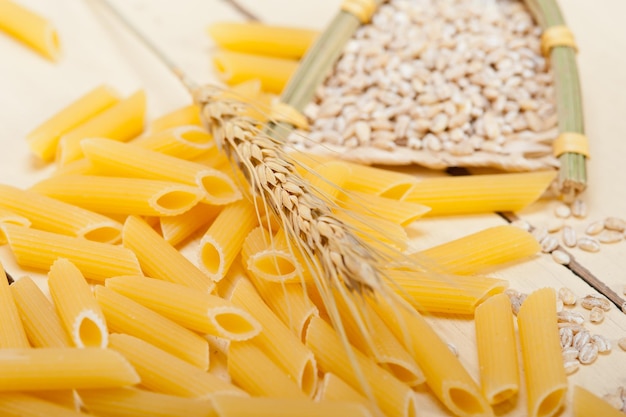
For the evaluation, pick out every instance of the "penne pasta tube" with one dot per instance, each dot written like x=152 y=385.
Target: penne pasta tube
x=327 y=178
x=262 y=39
x=97 y=261
x=384 y=235
x=30 y=28
x=59 y=217
x=199 y=311
x=117 y=195
x=122 y=121
x=275 y=338
x=587 y=404
x=497 y=349
x=133 y=402
x=254 y=379
x=43 y=140
x=12 y=333
x=445 y=375
x=17 y=404
x=113 y=158
x=159 y=259
x=333 y=388
x=482 y=250
x=546 y=382
x=63 y=397
x=369 y=334
x=270 y=257
x=480 y=193
x=230 y=406
x=221 y=243
x=63 y=368
x=395 y=211
x=185 y=142
x=42 y=324
x=378 y=181
x=186 y=115
x=78 y=309
x=175 y=229
x=444 y=293
x=78 y=167
x=166 y=373
x=236 y=67
x=123 y=315
x=392 y=396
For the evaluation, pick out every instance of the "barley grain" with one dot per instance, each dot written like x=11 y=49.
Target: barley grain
x=571 y=366
x=569 y=353
x=580 y=339
x=595 y=227
x=596 y=315
x=622 y=343
x=554 y=225
x=588 y=244
x=590 y=301
x=568 y=316
x=615 y=223
x=604 y=346
x=579 y=208
x=549 y=244
x=588 y=353
x=562 y=211
x=566 y=336
x=610 y=236
x=567 y=296
x=569 y=236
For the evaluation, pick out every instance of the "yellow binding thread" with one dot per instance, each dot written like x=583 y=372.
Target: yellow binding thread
x=362 y=9
x=557 y=36
x=571 y=142
x=283 y=112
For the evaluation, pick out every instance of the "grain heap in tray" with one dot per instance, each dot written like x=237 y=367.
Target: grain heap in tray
x=439 y=83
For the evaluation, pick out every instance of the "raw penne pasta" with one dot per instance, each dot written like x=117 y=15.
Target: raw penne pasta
x=78 y=309
x=497 y=349
x=333 y=388
x=123 y=315
x=369 y=334
x=12 y=334
x=392 y=396
x=262 y=39
x=165 y=373
x=97 y=261
x=117 y=195
x=384 y=235
x=43 y=140
x=444 y=293
x=236 y=67
x=133 y=402
x=254 y=379
x=480 y=193
x=185 y=142
x=199 y=311
x=445 y=375
x=175 y=229
x=270 y=257
x=222 y=242
x=186 y=115
x=482 y=250
x=42 y=323
x=546 y=381
x=59 y=217
x=63 y=368
x=113 y=158
x=159 y=259
x=275 y=338
x=587 y=404
x=378 y=181
x=290 y=302
x=230 y=406
x=8 y=217
x=122 y=121
x=78 y=167
x=396 y=211
x=30 y=28
x=327 y=178
x=17 y=404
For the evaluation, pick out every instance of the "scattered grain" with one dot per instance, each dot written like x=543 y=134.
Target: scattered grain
x=590 y=301
x=566 y=336
x=569 y=236
x=595 y=227
x=567 y=295
x=604 y=346
x=580 y=339
x=622 y=343
x=588 y=244
x=588 y=353
x=615 y=223
x=554 y=225
x=610 y=236
x=579 y=208
x=562 y=211
x=561 y=257
x=568 y=316
x=549 y=244
x=522 y=224
x=571 y=366
x=596 y=315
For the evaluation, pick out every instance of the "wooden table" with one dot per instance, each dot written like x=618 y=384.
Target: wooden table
x=97 y=50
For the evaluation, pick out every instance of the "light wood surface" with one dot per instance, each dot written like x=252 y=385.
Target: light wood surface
x=96 y=49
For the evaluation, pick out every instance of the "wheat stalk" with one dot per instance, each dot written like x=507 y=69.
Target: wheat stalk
x=343 y=257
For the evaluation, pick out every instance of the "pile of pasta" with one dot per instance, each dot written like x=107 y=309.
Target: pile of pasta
x=167 y=298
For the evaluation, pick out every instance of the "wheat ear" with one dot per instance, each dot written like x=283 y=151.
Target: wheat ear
x=342 y=256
